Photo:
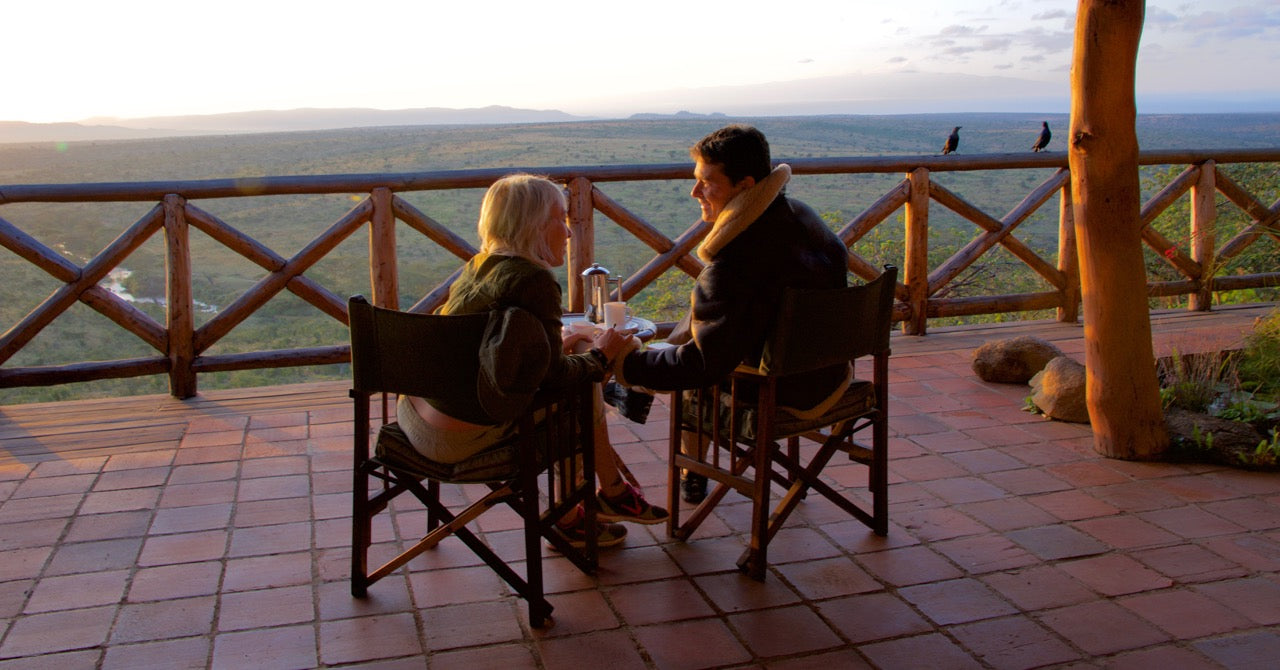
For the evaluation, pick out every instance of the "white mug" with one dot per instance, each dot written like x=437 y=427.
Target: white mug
x=580 y=328
x=615 y=315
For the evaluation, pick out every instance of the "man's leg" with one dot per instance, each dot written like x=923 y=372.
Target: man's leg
x=693 y=487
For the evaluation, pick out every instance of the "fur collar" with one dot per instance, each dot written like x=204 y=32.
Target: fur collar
x=742 y=211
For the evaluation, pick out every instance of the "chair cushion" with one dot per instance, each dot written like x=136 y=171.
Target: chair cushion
x=497 y=463
x=858 y=399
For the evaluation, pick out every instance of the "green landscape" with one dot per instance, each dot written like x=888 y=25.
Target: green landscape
x=288 y=223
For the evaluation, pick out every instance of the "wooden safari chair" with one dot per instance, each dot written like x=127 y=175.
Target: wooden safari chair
x=815 y=329
x=534 y=471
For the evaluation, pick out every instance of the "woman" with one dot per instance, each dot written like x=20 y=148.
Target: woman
x=522 y=235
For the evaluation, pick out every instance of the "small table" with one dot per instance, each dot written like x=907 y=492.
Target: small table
x=643 y=329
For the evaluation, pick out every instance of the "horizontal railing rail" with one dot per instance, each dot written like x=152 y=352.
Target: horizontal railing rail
x=183 y=348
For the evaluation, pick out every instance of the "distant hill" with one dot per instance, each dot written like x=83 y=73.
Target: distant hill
x=270 y=121
x=21 y=131
x=649 y=116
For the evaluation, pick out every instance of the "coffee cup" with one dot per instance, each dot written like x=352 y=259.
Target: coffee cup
x=615 y=315
x=583 y=328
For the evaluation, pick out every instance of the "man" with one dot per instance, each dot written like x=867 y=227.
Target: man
x=760 y=243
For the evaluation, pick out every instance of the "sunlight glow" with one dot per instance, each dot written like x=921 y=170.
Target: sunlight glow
x=72 y=60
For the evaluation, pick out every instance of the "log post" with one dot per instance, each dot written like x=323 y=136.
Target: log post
x=582 y=238
x=1122 y=391
x=180 y=308
x=383 y=273
x=1204 y=218
x=1068 y=261
x=916 y=263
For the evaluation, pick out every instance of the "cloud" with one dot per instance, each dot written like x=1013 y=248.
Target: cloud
x=1053 y=14
x=1218 y=25
x=1028 y=45
x=961 y=31
x=1159 y=18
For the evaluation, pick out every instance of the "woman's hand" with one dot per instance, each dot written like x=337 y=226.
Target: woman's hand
x=576 y=342
x=614 y=343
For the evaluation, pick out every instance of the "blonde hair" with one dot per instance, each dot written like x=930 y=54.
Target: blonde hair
x=515 y=214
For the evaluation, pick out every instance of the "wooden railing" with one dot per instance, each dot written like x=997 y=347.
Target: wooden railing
x=182 y=346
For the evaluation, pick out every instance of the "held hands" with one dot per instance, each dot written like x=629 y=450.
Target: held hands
x=614 y=343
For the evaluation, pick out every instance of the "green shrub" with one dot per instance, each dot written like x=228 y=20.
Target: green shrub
x=1195 y=381
x=1259 y=366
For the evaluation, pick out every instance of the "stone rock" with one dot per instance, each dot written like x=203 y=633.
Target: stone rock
x=1228 y=436
x=1013 y=361
x=1059 y=391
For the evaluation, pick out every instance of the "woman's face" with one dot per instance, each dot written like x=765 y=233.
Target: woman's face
x=557 y=231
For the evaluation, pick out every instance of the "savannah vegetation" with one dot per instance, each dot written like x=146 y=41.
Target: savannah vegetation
x=287 y=223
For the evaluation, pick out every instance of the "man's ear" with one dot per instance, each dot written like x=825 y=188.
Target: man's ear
x=746 y=182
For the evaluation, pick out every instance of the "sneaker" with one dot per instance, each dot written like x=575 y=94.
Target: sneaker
x=631 y=506
x=607 y=534
x=693 y=488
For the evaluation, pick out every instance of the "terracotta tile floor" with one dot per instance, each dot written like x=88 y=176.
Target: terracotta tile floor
x=149 y=532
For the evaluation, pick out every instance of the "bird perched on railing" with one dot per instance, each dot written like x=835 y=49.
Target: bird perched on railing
x=1043 y=140
x=953 y=141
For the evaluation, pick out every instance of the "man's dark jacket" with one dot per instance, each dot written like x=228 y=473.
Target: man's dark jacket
x=751 y=257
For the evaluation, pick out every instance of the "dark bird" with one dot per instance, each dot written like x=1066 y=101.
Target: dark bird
x=1044 y=137
x=953 y=141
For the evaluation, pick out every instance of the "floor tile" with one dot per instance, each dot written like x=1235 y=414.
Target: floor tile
x=1102 y=627
x=1114 y=575
x=1014 y=643
x=925 y=652
x=659 y=601
x=362 y=639
x=700 y=643
x=1055 y=542
x=185 y=654
x=164 y=619
x=956 y=601
x=52 y=632
x=1258 y=649
x=828 y=578
x=875 y=616
x=1256 y=598
x=584 y=651
x=805 y=632
x=290 y=647
x=736 y=592
x=1185 y=614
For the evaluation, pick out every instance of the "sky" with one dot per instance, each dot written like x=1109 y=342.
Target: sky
x=73 y=60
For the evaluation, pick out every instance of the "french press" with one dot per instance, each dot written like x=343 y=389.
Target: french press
x=595 y=288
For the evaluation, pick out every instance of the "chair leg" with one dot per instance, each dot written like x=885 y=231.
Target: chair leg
x=361 y=532
x=673 y=468
x=527 y=500
x=880 y=476
x=757 y=557
x=433 y=491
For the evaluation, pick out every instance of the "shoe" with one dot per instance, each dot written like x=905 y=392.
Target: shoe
x=693 y=488
x=631 y=506
x=607 y=534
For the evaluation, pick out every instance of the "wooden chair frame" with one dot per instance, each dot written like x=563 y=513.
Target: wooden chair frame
x=555 y=446
x=744 y=454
